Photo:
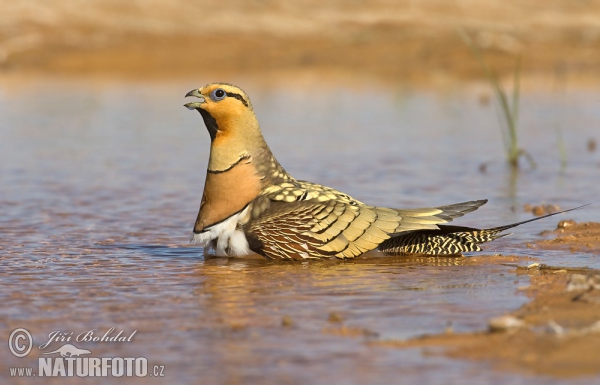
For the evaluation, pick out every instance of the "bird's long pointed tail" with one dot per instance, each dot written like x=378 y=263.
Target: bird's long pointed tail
x=450 y=240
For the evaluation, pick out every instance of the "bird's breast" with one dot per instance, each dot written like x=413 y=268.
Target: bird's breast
x=227 y=193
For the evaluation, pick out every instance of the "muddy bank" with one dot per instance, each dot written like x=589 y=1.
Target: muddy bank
x=403 y=41
x=556 y=334
x=572 y=236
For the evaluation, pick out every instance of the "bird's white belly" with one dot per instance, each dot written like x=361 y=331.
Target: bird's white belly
x=229 y=241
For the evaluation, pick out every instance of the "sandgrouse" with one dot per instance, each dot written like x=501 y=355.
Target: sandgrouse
x=251 y=203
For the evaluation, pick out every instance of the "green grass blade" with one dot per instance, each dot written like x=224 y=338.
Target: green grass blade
x=509 y=110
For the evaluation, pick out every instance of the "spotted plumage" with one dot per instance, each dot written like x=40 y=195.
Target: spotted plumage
x=250 y=203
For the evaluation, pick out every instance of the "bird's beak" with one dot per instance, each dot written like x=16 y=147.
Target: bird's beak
x=195 y=105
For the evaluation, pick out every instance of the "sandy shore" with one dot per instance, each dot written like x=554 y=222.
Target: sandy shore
x=412 y=41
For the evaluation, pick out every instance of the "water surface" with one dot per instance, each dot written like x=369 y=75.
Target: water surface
x=100 y=183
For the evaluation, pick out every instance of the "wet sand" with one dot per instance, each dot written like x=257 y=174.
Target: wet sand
x=558 y=333
x=572 y=236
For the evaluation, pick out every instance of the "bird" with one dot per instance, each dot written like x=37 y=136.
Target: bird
x=251 y=204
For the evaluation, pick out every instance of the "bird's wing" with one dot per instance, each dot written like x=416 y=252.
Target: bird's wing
x=327 y=226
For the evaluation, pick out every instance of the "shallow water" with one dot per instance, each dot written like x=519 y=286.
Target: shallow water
x=100 y=183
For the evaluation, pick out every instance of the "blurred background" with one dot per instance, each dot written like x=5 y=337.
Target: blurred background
x=398 y=103
x=390 y=40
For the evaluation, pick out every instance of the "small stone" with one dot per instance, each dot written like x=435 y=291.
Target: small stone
x=556 y=328
x=538 y=210
x=566 y=223
x=533 y=266
x=505 y=323
x=527 y=208
x=551 y=209
x=578 y=282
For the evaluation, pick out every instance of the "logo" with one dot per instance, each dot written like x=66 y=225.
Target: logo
x=20 y=342
x=72 y=361
x=68 y=350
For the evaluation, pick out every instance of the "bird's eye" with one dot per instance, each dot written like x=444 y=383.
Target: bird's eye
x=218 y=94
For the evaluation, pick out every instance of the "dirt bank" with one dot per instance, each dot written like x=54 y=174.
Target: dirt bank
x=572 y=236
x=396 y=40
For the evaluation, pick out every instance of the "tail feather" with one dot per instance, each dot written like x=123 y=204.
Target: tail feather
x=431 y=217
x=449 y=212
x=449 y=240
x=506 y=227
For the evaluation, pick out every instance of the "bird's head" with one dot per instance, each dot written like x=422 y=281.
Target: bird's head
x=230 y=120
x=225 y=108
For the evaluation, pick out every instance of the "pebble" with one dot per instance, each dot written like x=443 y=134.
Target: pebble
x=579 y=282
x=541 y=209
x=538 y=211
x=505 y=323
x=566 y=223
